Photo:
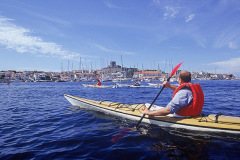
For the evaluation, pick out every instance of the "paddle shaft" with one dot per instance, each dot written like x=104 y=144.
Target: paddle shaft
x=173 y=72
x=137 y=126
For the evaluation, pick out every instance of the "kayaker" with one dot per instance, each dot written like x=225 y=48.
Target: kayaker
x=137 y=83
x=98 y=82
x=187 y=99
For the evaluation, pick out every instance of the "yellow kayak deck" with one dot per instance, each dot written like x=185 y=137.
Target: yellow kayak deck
x=211 y=121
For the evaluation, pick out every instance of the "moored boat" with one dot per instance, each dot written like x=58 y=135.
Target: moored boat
x=211 y=123
x=155 y=84
x=136 y=86
x=140 y=86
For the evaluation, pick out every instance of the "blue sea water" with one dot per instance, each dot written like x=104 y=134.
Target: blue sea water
x=37 y=122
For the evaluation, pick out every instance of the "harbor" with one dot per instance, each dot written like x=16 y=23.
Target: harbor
x=111 y=73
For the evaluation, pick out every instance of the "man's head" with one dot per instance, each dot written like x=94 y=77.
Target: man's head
x=184 y=77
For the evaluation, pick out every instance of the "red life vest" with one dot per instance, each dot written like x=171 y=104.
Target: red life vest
x=195 y=108
x=99 y=83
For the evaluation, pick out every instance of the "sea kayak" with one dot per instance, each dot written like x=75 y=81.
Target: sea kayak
x=135 y=86
x=210 y=123
x=97 y=86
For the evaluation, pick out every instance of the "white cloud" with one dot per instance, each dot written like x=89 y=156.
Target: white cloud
x=21 y=40
x=170 y=12
x=102 y=48
x=56 y=20
x=110 y=5
x=233 y=45
x=189 y=18
x=230 y=37
x=170 y=8
x=229 y=66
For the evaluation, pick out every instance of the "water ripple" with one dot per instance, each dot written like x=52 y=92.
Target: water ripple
x=37 y=122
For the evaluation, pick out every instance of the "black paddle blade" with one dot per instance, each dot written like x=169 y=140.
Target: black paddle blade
x=117 y=137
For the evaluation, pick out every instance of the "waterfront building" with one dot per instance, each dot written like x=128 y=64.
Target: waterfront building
x=147 y=75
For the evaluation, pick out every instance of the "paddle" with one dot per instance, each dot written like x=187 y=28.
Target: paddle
x=117 y=137
x=173 y=72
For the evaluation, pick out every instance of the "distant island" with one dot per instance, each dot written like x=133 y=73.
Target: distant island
x=113 y=73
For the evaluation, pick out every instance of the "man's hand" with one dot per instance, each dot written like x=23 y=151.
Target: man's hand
x=167 y=85
x=147 y=111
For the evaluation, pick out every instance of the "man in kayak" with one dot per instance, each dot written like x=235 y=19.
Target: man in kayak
x=137 y=83
x=187 y=99
x=98 y=82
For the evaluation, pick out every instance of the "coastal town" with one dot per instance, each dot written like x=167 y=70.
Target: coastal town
x=112 y=72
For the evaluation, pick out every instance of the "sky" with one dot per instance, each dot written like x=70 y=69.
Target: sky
x=61 y=35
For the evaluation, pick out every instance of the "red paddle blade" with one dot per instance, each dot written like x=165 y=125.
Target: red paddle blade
x=175 y=69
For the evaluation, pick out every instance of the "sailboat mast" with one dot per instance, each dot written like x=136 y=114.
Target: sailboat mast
x=122 y=61
x=68 y=66
x=61 y=67
x=80 y=65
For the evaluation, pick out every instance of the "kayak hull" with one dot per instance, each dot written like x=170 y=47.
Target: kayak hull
x=97 y=86
x=192 y=123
